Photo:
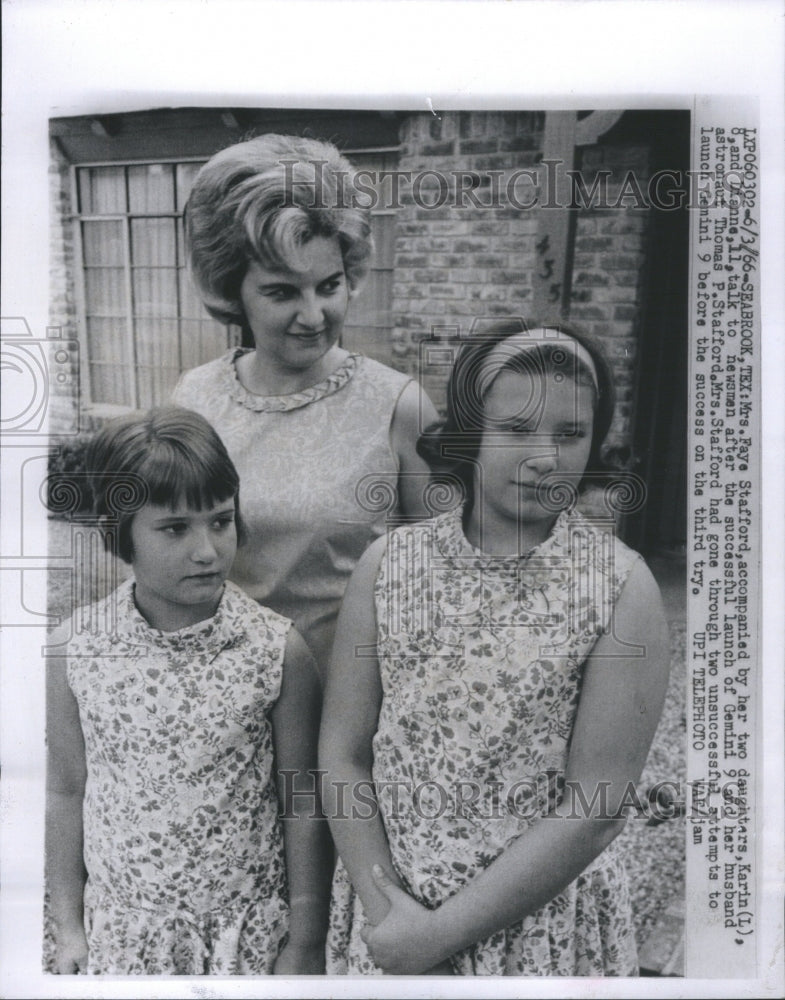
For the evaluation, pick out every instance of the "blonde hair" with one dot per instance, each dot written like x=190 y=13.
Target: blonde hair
x=262 y=200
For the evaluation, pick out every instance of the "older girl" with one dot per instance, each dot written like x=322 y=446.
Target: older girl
x=174 y=718
x=318 y=434
x=497 y=678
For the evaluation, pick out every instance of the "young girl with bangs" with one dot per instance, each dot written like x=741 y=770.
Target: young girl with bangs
x=173 y=716
x=497 y=678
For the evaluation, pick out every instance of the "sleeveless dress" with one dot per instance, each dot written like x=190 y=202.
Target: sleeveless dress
x=182 y=841
x=318 y=480
x=480 y=660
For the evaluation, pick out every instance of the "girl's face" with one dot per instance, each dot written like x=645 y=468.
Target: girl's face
x=535 y=424
x=181 y=558
x=297 y=316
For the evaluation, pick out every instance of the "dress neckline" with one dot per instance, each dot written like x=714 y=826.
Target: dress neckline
x=332 y=383
x=453 y=543
x=210 y=635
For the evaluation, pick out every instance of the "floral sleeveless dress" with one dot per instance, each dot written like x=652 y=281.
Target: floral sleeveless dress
x=182 y=842
x=318 y=481
x=480 y=660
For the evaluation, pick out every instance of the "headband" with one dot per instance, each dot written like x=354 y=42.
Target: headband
x=526 y=341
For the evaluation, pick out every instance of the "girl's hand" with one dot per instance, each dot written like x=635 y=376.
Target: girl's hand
x=70 y=951
x=300 y=960
x=403 y=943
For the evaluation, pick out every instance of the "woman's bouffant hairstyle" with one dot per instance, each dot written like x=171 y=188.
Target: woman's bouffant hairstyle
x=164 y=457
x=262 y=200
x=451 y=446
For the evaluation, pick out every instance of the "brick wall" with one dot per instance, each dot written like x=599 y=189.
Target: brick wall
x=63 y=398
x=459 y=263
x=609 y=270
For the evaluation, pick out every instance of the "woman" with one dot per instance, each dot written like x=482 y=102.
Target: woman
x=324 y=440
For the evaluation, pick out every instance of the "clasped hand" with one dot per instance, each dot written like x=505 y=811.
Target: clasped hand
x=404 y=942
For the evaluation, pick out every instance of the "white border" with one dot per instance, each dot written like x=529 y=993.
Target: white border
x=68 y=57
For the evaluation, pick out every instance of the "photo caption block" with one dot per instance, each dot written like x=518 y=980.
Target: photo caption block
x=724 y=542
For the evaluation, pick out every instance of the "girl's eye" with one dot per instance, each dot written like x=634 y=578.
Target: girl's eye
x=221 y=523
x=174 y=529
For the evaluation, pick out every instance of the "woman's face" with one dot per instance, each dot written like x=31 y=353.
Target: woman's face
x=297 y=316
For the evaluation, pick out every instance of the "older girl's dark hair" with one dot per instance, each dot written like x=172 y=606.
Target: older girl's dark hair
x=451 y=446
x=163 y=457
x=262 y=200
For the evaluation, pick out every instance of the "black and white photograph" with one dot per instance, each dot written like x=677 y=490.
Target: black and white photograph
x=386 y=495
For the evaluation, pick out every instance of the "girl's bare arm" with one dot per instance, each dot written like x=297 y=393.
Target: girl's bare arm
x=351 y=711
x=620 y=706
x=66 y=776
x=306 y=838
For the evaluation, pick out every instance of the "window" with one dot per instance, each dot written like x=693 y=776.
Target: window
x=143 y=322
x=369 y=324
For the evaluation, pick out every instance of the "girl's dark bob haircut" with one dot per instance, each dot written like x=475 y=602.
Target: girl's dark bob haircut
x=163 y=457
x=262 y=200
x=451 y=446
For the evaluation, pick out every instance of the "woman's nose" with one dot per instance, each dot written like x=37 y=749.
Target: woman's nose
x=543 y=462
x=310 y=314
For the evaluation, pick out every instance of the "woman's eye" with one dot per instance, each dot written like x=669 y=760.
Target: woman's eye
x=174 y=529
x=331 y=286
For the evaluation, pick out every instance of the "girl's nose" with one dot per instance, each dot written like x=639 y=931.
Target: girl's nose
x=542 y=462
x=204 y=550
x=310 y=314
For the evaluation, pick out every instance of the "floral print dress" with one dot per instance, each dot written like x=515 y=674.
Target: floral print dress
x=480 y=660
x=182 y=842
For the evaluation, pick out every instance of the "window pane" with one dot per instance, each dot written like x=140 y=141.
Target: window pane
x=156 y=343
x=105 y=291
x=191 y=306
x=155 y=385
x=110 y=384
x=107 y=341
x=102 y=190
x=151 y=188
x=102 y=243
x=153 y=241
x=185 y=178
x=155 y=292
x=201 y=341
